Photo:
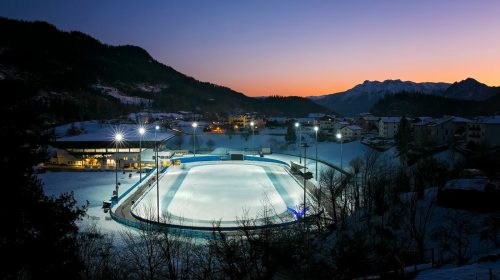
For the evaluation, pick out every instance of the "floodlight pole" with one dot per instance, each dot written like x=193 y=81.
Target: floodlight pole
x=118 y=138
x=116 y=166
x=305 y=181
x=157 y=178
x=339 y=136
x=194 y=138
x=252 y=124
x=306 y=241
x=141 y=132
x=316 y=128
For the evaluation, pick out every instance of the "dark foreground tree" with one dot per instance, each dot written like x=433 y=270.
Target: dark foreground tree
x=38 y=236
x=290 y=136
x=402 y=137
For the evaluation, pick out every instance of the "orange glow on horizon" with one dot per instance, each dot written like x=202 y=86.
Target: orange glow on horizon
x=317 y=87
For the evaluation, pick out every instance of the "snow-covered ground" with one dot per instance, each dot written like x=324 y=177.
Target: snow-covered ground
x=116 y=93
x=466 y=272
x=202 y=192
x=94 y=187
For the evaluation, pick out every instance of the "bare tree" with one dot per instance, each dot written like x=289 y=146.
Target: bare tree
x=419 y=214
x=97 y=253
x=371 y=158
x=142 y=253
x=330 y=182
x=356 y=164
x=454 y=235
x=176 y=247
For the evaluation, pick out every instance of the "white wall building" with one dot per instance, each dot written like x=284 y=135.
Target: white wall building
x=484 y=131
x=388 y=126
x=351 y=131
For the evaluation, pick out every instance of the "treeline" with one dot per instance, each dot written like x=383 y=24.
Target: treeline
x=416 y=104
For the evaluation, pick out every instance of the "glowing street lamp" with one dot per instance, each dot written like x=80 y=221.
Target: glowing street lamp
x=194 y=125
x=316 y=128
x=141 y=133
x=297 y=125
x=339 y=137
x=252 y=124
x=118 y=139
x=157 y=127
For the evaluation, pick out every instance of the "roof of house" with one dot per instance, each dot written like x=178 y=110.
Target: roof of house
x=488 y=119
x=353 y=127
x=96 y=132
x=390 y=119
x=460 y=120
x=473 y=184
x=370 y=118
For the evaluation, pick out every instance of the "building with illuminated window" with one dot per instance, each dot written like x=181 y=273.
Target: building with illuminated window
x=95 y=147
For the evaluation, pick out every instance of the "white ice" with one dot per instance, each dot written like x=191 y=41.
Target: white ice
x=213 y=191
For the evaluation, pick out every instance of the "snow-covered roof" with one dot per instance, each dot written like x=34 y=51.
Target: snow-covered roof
x=94 y=131
x=488 y=120
x=371 y=118
x=277 y=119
x=460 y=120
x=315 y=115
x=353 y=127
x=440 y=121
x=390 y=119
x=474 y=184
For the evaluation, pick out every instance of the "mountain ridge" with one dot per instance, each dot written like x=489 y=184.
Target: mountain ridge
x=362 y=97
x=119 y=79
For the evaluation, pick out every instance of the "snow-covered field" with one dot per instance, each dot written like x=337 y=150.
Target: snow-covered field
x=94 y=187
x=466 y=272
x=203 y=192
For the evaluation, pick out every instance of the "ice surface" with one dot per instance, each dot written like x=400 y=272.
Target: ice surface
x=203 y=192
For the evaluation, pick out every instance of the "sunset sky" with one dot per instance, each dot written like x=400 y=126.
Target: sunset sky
x=293 y=47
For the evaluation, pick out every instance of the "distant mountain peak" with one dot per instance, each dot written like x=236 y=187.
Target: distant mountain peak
x=470 y=89
x=361 y=97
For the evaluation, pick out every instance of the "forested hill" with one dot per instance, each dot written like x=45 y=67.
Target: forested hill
x=74 y=76
x=415 y=104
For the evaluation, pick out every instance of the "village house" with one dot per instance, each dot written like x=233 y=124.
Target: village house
x=351 y=131
x=326 y=124
x=388 y=126
x=484 y=131
x=434 y=132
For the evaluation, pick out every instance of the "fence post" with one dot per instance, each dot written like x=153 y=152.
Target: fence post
x=491 y=274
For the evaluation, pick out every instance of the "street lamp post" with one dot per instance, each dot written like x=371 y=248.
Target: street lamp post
x=118 y=138
x=157 y=127
x=339 y=136
x=305 y=146
x=141 y=133
x=194 y=138
x=252 y=124
x=305 y=199
x=297 y=125
x=316 y=128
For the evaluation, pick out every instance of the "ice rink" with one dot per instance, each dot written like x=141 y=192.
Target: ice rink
x=199 y=193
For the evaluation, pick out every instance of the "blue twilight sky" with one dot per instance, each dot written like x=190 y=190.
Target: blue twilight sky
x=293 y=47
